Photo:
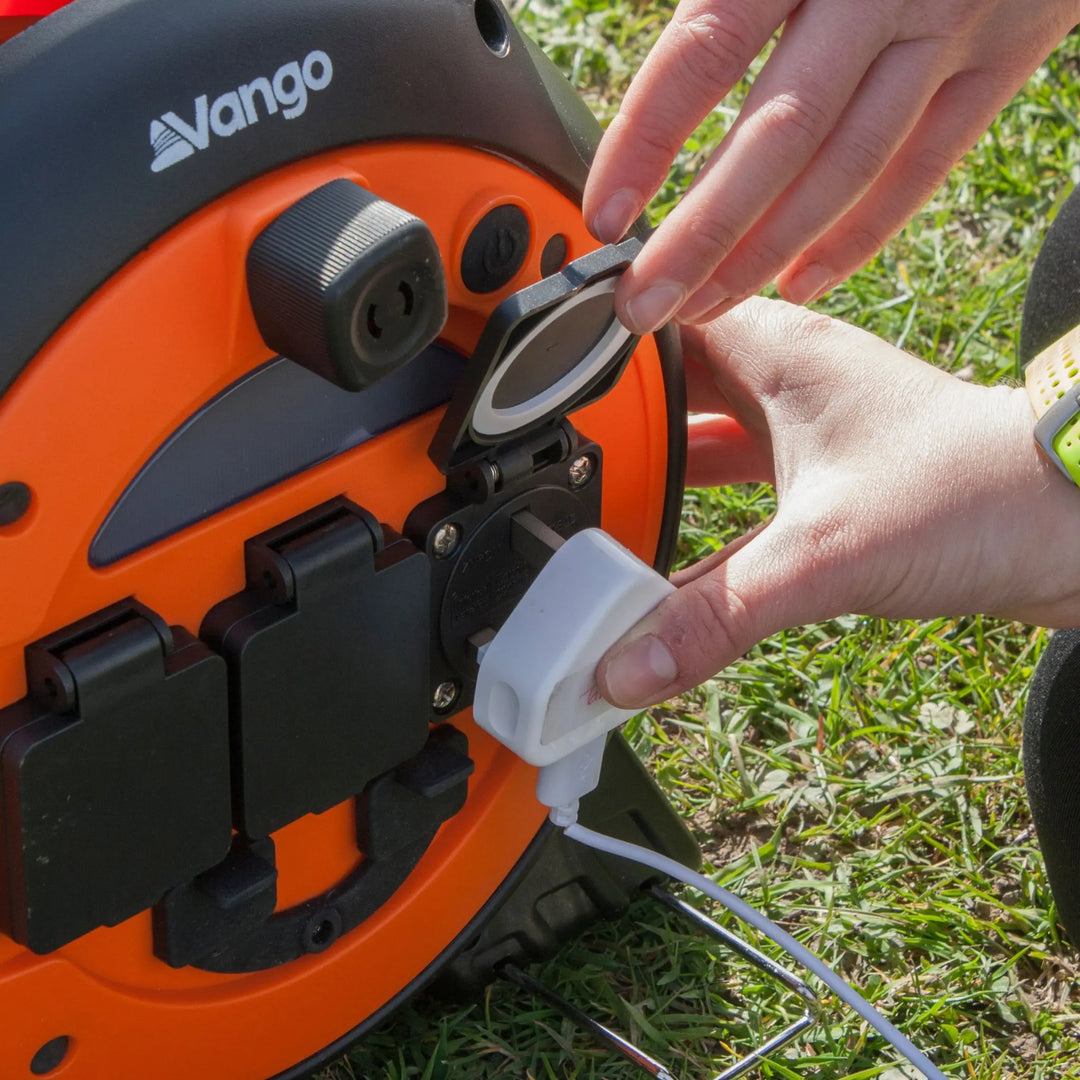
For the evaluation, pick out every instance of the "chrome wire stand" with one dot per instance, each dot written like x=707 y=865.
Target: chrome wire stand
x=645 y=1061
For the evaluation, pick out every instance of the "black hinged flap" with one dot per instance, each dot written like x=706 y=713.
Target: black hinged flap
x=115 y=774
x=328 y=663
x=549 y=349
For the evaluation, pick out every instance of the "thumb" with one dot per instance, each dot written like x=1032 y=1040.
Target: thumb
x=753 y=588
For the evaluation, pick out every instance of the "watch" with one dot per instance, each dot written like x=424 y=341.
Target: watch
x=1053 y=387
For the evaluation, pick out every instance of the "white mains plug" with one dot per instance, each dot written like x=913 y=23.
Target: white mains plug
x=536 y=690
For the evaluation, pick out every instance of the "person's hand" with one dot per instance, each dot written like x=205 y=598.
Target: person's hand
x=901 y=492
x=852 y=124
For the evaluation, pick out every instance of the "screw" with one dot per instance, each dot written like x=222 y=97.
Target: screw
x=445 y=695
x=322 y=930
x=447 y=538
x=581 y=470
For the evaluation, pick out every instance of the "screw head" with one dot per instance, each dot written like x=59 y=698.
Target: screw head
x=446 y=693
x=322 y=930
x=447 y=538
x=581 y=470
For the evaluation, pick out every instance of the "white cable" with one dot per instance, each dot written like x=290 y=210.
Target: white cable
x=754 y=918
x=536 y=693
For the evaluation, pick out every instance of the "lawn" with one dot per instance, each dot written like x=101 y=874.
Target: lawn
x=860 y=781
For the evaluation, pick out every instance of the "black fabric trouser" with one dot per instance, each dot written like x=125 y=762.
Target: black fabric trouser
x=1052 y=718
x=1052 y=770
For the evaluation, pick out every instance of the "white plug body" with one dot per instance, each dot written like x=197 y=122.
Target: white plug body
x=536 y=690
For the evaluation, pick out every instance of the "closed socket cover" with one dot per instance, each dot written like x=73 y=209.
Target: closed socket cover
x=347 y=284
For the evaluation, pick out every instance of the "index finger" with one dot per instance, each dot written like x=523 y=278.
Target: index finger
x=702 y=53
x=793 y=106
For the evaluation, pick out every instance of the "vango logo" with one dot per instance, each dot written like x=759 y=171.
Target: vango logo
x=174 y=139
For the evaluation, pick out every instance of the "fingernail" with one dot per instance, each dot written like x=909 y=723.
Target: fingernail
x=709 y=296
x=639 y=672
x=616 y=216
x=808 y=284
x=652 y=308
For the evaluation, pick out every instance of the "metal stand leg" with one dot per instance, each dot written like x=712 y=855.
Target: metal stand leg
x=766 y=964
x=583 y=1020
x=638 y=1056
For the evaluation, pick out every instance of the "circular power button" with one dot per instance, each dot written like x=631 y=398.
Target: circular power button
x=496 y=249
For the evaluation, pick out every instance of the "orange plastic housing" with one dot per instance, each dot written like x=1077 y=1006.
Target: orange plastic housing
x=153 y=345
x=30 y=8
x=10 y=25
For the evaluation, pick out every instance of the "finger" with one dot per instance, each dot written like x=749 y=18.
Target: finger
x=721 y=451
x=778 y=366
x=703 y=360
x=711 y=301
x=710 y=621
x=702 y=393
x=884 y=111
x=959 y=113
x=725 y=444
x=761 y=345
x=702 y=53
x=711 y=562
x=792 y=107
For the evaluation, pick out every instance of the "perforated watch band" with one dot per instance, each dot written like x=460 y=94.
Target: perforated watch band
x=1053 y=386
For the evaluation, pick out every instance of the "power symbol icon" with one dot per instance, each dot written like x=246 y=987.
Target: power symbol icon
x=496 y=249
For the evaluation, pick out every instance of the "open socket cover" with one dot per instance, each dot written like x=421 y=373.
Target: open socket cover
x=545 y=351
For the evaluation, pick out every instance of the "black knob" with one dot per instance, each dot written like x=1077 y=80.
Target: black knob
x=347 y=284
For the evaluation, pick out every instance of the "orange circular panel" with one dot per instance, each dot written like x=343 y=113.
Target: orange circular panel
x=152 y=346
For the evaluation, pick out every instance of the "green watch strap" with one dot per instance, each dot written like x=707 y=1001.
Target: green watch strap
x=1052 y=380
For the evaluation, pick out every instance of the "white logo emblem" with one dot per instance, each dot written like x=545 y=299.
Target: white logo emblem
x=174 y=139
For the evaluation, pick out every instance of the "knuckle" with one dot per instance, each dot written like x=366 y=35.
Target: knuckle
x=715 y=48
x=927 y=170
x=957 y=19
x=755 y=263
x=865 y=243
x=710 y=240
x=824 y=535
x=656 y=137
x=814 y=336
x=796 y=120
x=816 y=328
x=818 y=534
x=714 y=622
x=862 y=156
x=813 y=340
x=759 y=261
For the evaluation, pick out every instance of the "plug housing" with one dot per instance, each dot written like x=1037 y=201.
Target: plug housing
x=536 y=690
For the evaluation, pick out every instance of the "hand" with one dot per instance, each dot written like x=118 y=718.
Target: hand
x=852 y=124
x=901 y=492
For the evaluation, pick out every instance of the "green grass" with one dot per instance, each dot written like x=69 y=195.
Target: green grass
x=858 y=780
